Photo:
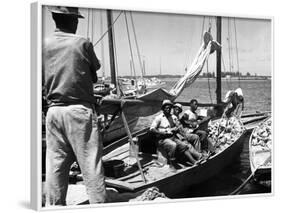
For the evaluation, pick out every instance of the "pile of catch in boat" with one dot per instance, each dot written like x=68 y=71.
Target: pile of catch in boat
x=224 y=132
x=262 y=138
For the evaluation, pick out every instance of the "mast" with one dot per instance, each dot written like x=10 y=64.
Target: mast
x=111 y=48
x=218 y=90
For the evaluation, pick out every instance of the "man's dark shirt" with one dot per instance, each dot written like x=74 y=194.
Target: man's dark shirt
x=69 y=69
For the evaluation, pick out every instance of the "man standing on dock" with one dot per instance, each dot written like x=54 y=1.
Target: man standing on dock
x=69 y=71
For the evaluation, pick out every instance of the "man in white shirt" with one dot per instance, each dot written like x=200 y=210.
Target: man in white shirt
x=191 y=122
x=165 y=129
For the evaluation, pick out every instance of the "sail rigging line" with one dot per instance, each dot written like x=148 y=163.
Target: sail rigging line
x=207 y=64
x=224 y=67
x=131 y=51
x=108 y=29
x=229 y=45
x=202 y=31
x=235 y=32
x=102 y=44
x=137 y=46
x=209 y=86
x=232 y=47
x=93 y=24
x=88 y=23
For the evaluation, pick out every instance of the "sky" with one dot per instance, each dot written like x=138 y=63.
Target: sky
x=169 y=42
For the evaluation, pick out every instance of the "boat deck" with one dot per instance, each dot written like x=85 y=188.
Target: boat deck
x=130 y=173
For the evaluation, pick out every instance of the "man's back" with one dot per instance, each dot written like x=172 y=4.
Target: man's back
x=69 y=66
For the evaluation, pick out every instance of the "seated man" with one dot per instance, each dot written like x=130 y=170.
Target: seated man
x=234 y=102
x=164 y=128
x=183 y=134
x=191 y=121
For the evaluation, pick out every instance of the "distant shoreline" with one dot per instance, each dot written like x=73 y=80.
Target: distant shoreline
x=176 y=77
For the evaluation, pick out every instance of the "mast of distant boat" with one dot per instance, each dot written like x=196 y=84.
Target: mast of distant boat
x=218 y=90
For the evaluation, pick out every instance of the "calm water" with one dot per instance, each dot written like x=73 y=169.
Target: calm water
x=257 y=96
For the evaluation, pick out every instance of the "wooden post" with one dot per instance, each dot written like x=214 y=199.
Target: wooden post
x=131 y=141
x=218 y=90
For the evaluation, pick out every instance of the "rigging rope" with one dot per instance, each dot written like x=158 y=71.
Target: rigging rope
x=137 y=46
x=237 y=52
x=88 y=23
x=229 y=45
x=202 y=31
x=102 y=46
x=108 y=29
x=93 y=25
x=131 y=52
x=209 y=86
x=210 y=94
x=224 y=67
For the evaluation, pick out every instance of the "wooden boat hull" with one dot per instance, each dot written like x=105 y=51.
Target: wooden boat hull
x=117 y=130
x=257 y=157
x=183 y=178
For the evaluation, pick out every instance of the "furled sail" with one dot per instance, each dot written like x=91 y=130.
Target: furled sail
x=149 y=103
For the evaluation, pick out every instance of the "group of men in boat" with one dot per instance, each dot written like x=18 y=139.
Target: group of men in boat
x=186 y=136
x=179 y=136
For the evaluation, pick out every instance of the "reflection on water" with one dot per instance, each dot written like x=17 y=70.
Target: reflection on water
x=257 y=96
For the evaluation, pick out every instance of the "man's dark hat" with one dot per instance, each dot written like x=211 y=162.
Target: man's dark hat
x=71 y=11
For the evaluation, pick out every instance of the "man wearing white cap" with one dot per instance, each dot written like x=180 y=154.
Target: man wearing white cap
x=69 y=71
x=164 y=127
x=234 y=101
x=190 y=138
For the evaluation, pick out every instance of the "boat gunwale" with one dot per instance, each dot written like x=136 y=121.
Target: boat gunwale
x=251 y=153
